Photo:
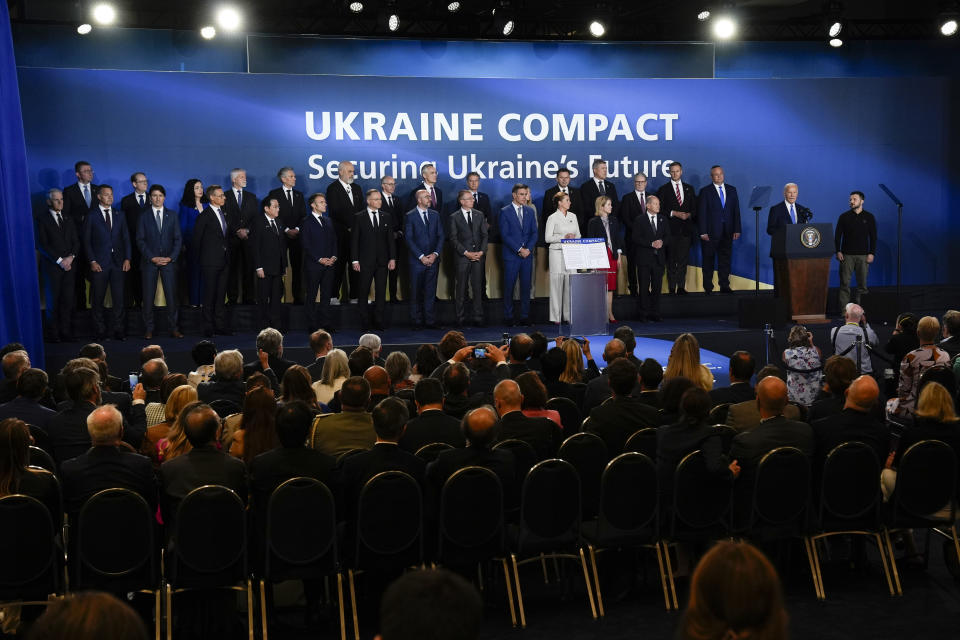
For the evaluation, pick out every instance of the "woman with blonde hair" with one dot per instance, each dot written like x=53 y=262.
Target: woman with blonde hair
x=684 y=362
x=603 y=225
x=335 y=371
x=180 y=397
x=176 y=443
x=574 y=370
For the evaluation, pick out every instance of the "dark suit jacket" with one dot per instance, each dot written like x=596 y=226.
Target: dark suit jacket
x=595 y=230
x=54 y=242
x=315 y=368
x=290 y=217
x=319 y=241
x=396 y=211
x=779 y=217
x=422 y=240
x=643 y=236
x=268 y=250
x=847 y=426
x=197 y=467
x=431 y=426
x=572 y=391
x=710 y=214
x=106 y=467
x=668 y=203
x=736 y=392
x=589 y=194
x=210 y=246
x=130 y=205
x=449 y=462
x=272 y=468
x=108 y=247
x=630 y=210
x=677 y=440
x=619 y=418
x=584 y=212
x=341 y=209
x=542 y=434
x=462 y=238
x=153 y=243
x=749 y=447
x=651 y=398
x=412 y=196
x=30 y=411
x=359 y=468
x=371 y=247
x=745 y=416
x=68 y=431
x=239 y=217
x=512 y=236
x=278 y=366
x=212 y=390
x=74 y=206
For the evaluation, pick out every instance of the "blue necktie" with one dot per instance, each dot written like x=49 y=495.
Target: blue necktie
x=793 y=214
x=723 y=200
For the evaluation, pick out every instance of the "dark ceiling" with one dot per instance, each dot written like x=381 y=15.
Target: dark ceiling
x=644 y=20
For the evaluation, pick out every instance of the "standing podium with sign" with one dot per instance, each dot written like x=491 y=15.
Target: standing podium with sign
x=801 y=260
x=588 y=290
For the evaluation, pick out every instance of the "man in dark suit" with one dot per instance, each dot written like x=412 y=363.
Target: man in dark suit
x=106 y=465
x=428 y=173
x=58 y=245
x=393 y=206
x=518 y=232
x=583 y=211
x=270 y=345
x=159 y=241
x=320 y=344
x=479 y=428
x=373 y=253
x=783 y=213
x=542 y=434
x=211 y=249
x=268 y=255
x=481 y=203
x=31 y=387
x=468 y=237
x=106 y=243
x=633 y=207
x=227 y=381
x=651 y=238
x=622 y=415
x=597 y=185
x=203 y=464
x=719 y=225
x=133 y=206
x=651 y=375
x=951 y=333
x=741 y=370
x=319 y=240
x=293 y=208
x=424 y=235
x=857 y=422
x=77 y=200
x=242 y=207
x=431 y=424
x=679 y=203
x=345 y=199
x=598 y=389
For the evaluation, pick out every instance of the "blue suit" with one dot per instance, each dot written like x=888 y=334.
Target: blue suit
x=165 y=242
x=109 y=247
x=319 y=240
x=719 y=221
x=423 y=240
x=514 y=237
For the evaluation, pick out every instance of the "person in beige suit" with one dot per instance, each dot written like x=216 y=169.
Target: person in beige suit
x=744 y=416
x=352 y=428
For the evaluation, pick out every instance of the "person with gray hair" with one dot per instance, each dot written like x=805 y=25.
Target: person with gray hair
x=14 y=363
x=344 y=200
x=844 y=337
x=58 y=245
x=951 y=333
x=269 y=356
x=293 y=211
x=372 y=341
x=242 y=207
x=226 y=383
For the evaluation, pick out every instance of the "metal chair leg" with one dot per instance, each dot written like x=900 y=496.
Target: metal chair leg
x=673 y=586
x=893 y=562
x=353 y=605
x=506 y=576
x=596 y=580
x=250 y=633
x=663 y=576
x=586 y=579
x=343 y=621
x=169 y=611
x=516 y=576
x=157 y=614
x=813 y=566
x=884 y=560
x=543 y=563
x=263 y=607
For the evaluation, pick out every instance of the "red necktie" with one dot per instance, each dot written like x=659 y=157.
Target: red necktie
x=433 y=198
x=679 y=195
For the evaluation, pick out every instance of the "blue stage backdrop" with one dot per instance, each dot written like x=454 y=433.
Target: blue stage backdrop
x=829 y=135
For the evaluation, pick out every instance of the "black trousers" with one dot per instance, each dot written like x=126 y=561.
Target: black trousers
x=168 y=275
x=719 y=250
x=111 y=276
x=82 y=268
x=319 y=280
x=214 y=295
x=377 y=276
x=240 y=286
x=295 y=257
x=469 y=273
x=61 y=297
x=650 y=281
x=345 y=278
x=269 y=292
x=393 y=277
x=678 y=256
x=133 y=289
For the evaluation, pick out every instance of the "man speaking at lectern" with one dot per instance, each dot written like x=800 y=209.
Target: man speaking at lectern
x=782 y=214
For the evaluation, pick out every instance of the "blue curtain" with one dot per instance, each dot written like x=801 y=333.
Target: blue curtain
x=19 y=292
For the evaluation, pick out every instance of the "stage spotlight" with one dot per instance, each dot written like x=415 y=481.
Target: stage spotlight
x=393 y=22
x=724 y=27
x=104 y=13
x=228 y=18
x=208 y=32
x=597 y=29
x=836 y=43
x=356 y=7
x=453 y=7
x=703 y=16
x=508 y=27
x=85 y=28
x=949 y=27
x=835 y=28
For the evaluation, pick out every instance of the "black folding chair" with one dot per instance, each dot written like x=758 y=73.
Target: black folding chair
x=208 y=548
x=570 y=416
x=41 y=438
x=42 y=459
x=849 y=504
x=926 y=484
x=301 y=540
x=29 y=573
x=781 y=495
x=549 y=525
x=389 y=532
x=224 y=408
x=718 y=415
x=117 y=564
x=629 y=514
x=588 y=454
x=429 y=452
x=471 y=523
x=524 y=457
x=726 y=436
x=643 y=441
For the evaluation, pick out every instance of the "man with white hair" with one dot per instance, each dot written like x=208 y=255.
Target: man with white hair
x=108 y=464
x=58 y=245
x=783 y=213
x=269 y=342
x=844 y=337
x=344 y=200
x=372 y=341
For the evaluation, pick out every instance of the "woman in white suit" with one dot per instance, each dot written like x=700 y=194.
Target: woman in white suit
x=562 y=224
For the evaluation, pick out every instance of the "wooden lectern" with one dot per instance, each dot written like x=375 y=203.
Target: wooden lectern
x=801 y=261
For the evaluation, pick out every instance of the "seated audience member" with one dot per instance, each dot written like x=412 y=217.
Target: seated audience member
x=518 y=355
x=741 y=369
x=431 y=424
x=320 y=344
x=540 y=433
x=296 y=386
x=155 y=410
x=651 y=375
x=540 y=345
x=352 y=428
x=89 y=615
x=359 y=360
x=399 y=371
x=14 y=363
x=426 y=360
x=575 y=372
x=152 y=374
x=553 y=363
x=903 y=341
x=734 y=593
x=670 y=394
x=449 y=345
x=161 y=432
x=485 y=372
x=951 y=333
x=684 y=361
x=379 y=382
x=804 y=369
x=203 y=354
x=624 y=333
x=27 y=406
x=106 y=465
x=16 y=476
x=535 y=398
x=744 y=416
x=270 y=342
x=372 y=342
x=335 y=372
x=203 y=464
x=622 y=415
x=436 y=604
x=257 y=431
x=175 y=444
x=844 y=337
x=857 y=422
x=838 y=373
x=151 y=352
x=226 y=383
x=98 y=354
x=921 y=359
x=693 y=431
x=479 y=428
x=292 y=458
x=456 y=384
x=598 y=389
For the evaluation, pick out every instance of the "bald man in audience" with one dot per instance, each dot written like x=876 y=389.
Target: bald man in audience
x=856 y=422
x=542 y=434
x=745 y=416
x=379 y=385
x=479 y=428
x=598 y=389
x=352 y=428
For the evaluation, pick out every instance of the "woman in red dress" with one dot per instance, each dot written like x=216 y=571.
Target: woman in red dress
x=602 y=225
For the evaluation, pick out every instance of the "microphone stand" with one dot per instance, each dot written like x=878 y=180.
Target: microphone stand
x=899 y=204
x=756 y=244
